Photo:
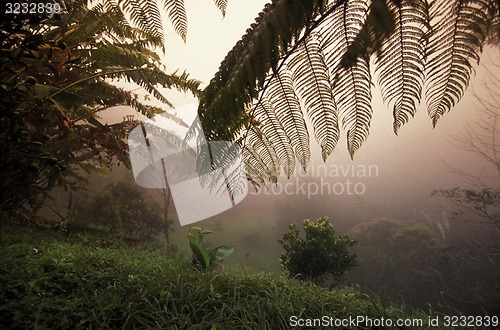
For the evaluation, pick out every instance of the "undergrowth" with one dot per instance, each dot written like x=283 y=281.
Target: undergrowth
x=51 y=281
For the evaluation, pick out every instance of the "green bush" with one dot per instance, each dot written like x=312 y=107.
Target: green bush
x=321 y=257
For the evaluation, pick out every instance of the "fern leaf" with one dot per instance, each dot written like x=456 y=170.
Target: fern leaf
x=455 y=42
x=317 y=55
x=229 y=180
x=494 y=23
x=287 y=107
x=145 y=15
x=219 y=168
x=177 y=14
x=222 y=6
x=153 y=13
x=352 y=83
x=254 y=167
x=257 y=143
x=353 y=98
x=312 y=85
x=243 y=72
x=401 y=62
x=273 y=131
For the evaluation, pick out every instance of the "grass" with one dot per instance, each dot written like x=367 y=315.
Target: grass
x=51 y=281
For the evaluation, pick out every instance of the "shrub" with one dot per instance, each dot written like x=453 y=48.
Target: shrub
x=201 y=255
x=321 y=257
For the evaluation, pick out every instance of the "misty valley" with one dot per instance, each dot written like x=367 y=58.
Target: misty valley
x=286 y=164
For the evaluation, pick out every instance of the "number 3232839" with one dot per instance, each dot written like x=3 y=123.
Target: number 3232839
x=40 y=8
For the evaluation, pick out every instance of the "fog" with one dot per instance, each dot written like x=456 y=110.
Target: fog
x=391 y=177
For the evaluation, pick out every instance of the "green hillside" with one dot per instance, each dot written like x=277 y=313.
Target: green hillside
x=57 y=281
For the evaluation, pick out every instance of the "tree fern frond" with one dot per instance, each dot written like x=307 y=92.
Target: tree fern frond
x=140 y=66
x=222 y=6
x=244 y=70
x=91 y=24
x=142 y=17
x=273 y=130
x=312 y=84
x=207 y=160
x=150 y=78
x=258 y=143
x=152 y=12
x=121 y=55
x=218 y=163
x=255 y=167
x=353 y=95
x=351 y=85
x=377 y=25
x=104 y=21
x=494 y=23
x=282 y=96
x=146 y=15
x=401 y=62
x=235 y=183
x=177 y=14
x=326 y=50
x=455 y=42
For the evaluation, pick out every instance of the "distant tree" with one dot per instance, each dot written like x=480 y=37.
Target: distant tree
x=482 y=135
x=476 y=259
x=481 y=138
x=484 y=204
x=401 y=261
x=320 y=257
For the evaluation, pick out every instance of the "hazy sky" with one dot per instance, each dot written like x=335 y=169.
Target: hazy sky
x=209 y=38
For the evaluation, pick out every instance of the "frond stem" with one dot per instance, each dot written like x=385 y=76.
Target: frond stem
x=101 y=74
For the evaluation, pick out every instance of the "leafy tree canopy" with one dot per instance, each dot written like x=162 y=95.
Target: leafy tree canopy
x=123 y=210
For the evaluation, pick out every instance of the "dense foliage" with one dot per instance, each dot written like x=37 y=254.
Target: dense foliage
x=54 y=80
x=321 y=256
